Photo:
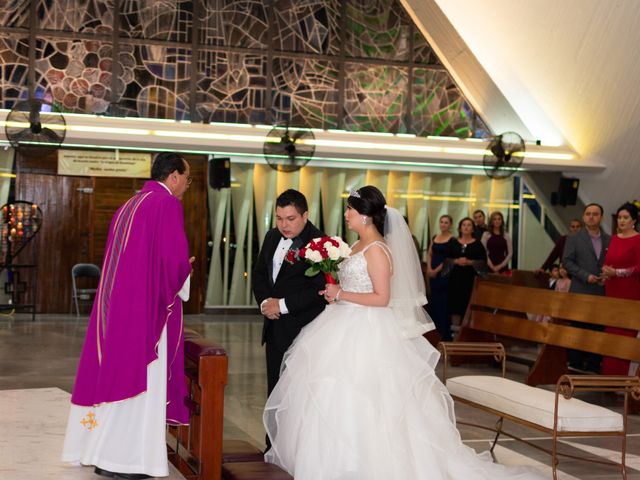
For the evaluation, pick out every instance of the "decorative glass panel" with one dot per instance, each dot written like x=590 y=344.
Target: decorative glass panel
x=438 y=107
x=159 y=19
x=306 y=92
x=13 y=70
x=377 y=29
x=14 y=13
x=75 y=74
x=375 y=98
x=422 y=51
x=310 y=26
x=232 y=87
x=76 y=15
x=155 y=81
x=238 y=23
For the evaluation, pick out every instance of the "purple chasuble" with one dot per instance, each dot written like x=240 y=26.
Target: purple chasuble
x=146 y=263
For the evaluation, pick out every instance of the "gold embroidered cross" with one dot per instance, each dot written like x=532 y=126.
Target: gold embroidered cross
x=89 y=421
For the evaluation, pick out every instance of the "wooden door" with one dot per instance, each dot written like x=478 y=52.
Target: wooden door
x=64 y=238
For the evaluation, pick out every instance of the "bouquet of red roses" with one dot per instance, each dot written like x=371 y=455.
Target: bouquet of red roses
x=323 y=254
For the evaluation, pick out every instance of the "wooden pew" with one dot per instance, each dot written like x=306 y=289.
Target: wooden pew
x=499 y=310
x=196 y=450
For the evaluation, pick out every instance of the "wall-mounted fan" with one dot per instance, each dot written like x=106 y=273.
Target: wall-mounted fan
x=504 y=155
x=288 y=149
x=35 y=128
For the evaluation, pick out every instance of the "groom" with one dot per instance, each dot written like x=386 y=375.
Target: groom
x=287 y=298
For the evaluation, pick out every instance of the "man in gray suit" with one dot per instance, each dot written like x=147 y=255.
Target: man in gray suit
x=583 y=258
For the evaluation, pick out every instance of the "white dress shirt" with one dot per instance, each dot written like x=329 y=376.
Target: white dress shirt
x=278 y=258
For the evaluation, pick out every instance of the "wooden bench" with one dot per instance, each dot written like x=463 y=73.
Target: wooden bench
x=501 y=310
x=196 y=450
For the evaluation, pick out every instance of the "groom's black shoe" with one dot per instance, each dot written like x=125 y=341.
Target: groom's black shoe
x=132 y=476
x=103 y=473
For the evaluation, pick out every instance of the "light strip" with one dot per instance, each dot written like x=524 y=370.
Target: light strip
x=259 y=137
x=261 y=156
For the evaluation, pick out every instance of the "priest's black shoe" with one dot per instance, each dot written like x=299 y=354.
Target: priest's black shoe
x=103 y=473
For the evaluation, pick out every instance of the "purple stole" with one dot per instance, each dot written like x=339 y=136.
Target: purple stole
x=146 y=263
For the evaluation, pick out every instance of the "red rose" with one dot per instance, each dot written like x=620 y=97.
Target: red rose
x=291 y=256
x=301 y=252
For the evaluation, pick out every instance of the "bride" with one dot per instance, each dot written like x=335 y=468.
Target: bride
x=358 y=398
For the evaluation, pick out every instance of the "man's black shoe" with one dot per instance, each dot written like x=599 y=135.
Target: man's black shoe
x=103 y=473
x=132 y=476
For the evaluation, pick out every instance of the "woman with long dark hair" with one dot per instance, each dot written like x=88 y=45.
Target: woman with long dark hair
x=497 y=243
x=468 y=258
x=439 y=251
x=358 y=398
x=621 y=274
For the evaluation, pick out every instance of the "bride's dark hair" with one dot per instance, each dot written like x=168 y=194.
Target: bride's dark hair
x=368 y=200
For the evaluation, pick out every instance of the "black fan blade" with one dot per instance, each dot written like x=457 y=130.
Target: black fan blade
x=50 y=136
x=497 y=149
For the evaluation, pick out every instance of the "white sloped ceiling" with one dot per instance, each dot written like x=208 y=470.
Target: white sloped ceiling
x=570 y=69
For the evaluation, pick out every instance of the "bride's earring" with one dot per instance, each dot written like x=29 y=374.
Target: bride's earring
x=364 y=220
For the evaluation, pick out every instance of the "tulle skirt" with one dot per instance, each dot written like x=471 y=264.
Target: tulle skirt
x=357 y=401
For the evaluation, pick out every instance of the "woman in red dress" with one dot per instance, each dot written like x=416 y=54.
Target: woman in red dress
x=621 y=273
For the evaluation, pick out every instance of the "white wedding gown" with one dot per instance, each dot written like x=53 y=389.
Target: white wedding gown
x=357 y=401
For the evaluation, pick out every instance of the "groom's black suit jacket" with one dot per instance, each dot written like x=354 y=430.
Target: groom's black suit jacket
x=299 y=291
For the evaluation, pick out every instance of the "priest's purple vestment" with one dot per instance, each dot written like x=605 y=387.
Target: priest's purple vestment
x=146 y=263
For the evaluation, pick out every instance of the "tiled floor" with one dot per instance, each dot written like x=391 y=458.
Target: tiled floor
x=43 y=355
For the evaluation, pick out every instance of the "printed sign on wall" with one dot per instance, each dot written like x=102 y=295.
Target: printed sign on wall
x=93 y=163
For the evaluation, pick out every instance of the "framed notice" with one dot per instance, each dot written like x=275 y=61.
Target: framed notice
x=94 y=163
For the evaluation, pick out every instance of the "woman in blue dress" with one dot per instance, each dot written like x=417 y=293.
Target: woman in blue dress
x=439 y=251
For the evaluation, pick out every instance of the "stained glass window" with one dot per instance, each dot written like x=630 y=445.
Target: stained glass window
x=437 y=107
x=377 y=29
x=353 y=64
x=155 y=81
x=13 y=70
x=14 y=13
x=159 y=20
x=75 y=74
x=310 y=26
x=306 y=92
x=76 y=15
x=422 y=51
x=232 y=87
x=375 y=98
x=238 y=23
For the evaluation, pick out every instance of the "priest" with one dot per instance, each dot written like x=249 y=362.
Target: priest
x=130 y=380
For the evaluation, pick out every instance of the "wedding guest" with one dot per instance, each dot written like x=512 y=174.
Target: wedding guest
x=498 y=244
x=479 y=224
x=554 y=275
x=583 y=258
x=621 y=274
x=558 y=248
x=469 y=258
x=439 y=251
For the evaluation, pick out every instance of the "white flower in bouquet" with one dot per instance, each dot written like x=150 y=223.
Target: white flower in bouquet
x=345 y=249
x=334 y=252
x=313 y=255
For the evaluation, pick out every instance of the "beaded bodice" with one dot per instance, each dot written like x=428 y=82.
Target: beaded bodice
x=353 y=273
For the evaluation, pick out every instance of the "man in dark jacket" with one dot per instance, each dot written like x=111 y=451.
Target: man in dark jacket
x=288 y=299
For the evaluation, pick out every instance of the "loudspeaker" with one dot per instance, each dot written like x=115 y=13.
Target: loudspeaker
x=220 y=173
x=567 y=191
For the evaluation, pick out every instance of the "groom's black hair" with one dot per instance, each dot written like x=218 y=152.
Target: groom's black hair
x=292 y=197
x=370 y=201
